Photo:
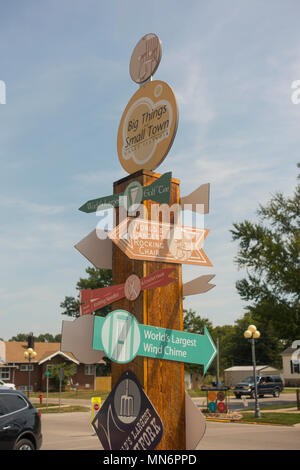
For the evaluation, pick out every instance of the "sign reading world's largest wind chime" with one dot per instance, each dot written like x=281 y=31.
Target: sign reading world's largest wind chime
x=143 y=335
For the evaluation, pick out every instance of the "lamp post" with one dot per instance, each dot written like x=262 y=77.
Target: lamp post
x=252 y=334
x=29 y=354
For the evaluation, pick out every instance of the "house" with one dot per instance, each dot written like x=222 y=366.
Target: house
x=236 y=374
x=15 y=368
x=291 y=365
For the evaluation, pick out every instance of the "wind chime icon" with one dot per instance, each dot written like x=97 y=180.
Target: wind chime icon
x=127 y=402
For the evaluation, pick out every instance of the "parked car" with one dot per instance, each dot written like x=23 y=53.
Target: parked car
x=20 y=422
x=266 y=385
x=5 y=384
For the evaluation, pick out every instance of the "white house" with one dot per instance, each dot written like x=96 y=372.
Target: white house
x=291 y=365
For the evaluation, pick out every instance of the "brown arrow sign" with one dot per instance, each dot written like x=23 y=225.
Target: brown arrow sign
x=147 y=240
x=199 y=285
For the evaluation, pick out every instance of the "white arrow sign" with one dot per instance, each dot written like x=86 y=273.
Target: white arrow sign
x=97 y=250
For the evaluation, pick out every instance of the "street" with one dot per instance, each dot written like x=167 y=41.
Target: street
x=72 y=431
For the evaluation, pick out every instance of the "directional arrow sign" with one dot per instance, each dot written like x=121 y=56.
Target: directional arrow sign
x=77 y=338
x=154 y=241
x=97 y=298
x=195 y=423
x=122 y=338
x=198 y=285
x=97 y=250
x=198 y=200
x=135 y=193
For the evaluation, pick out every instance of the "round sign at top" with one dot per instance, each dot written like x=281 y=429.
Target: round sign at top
x=148 y=127
x=145 y=58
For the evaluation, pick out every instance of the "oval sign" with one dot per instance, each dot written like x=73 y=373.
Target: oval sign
x=148 y=127
x=145 y=58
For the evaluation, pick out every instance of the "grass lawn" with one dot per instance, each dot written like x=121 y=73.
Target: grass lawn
x=63 y=409
x=273 y=407
x=82 y=394
x=285 y=419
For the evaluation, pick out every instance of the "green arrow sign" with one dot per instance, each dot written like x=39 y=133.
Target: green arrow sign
x=135 y=193
x=122 y=338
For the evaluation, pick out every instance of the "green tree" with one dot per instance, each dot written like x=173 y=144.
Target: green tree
x=69 y=371
x=224 y=335
x=42 y=338
x=193 y=323
x=269 y=250
x=22 y=337
x=97 y=278
x=238 y=351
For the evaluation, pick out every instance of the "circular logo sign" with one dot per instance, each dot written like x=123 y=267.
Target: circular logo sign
x=212 y=406
x=221 y=407
x=145 y=58
x=133 y=194
x=127 y=401
x=148 y=127
x=96 y=407
x=132 y=287
x=120 y=336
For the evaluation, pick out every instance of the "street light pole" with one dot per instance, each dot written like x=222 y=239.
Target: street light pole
x=29 y=354
x=252 y=334
x=28 y=391
x=257 y=410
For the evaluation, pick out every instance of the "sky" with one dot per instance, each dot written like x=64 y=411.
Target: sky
x=65 y=65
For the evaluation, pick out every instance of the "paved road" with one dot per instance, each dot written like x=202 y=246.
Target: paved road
x=234 y=436
x=68 y=431
x=72 y=431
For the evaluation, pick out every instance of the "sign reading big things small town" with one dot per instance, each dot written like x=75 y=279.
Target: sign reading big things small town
x=148 y=127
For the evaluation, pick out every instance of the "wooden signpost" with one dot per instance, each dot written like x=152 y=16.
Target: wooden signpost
x=142 y=251
x=161 y=309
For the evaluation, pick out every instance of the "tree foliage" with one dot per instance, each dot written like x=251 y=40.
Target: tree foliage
x=42 y=338
x=269 y=250
x=97 y=278
x=69 y=371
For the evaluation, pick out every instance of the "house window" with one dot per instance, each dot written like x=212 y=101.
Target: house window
x=295 y=367
x=89 y=370
x=26 y=367
x=24 y=388
x=4 y=373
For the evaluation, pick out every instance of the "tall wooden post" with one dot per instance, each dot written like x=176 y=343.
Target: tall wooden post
x=163 y=380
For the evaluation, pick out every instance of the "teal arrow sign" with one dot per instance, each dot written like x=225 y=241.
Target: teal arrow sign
x=122 y=338
x=135 y=193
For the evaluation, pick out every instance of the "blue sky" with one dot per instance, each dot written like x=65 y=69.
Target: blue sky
x=66 y=68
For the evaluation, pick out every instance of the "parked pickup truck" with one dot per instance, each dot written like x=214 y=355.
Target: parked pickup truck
x=266 y=385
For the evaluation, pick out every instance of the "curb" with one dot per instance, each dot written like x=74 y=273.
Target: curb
x=250 y=422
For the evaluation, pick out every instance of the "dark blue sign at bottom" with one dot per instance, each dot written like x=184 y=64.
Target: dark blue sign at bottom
x=127 y=420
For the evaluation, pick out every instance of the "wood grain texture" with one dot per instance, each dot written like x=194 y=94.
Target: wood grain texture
x=162 y=380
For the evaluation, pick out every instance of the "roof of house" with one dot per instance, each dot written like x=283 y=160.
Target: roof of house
x=288 y=351
x=247 y=368
x=14 y=353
